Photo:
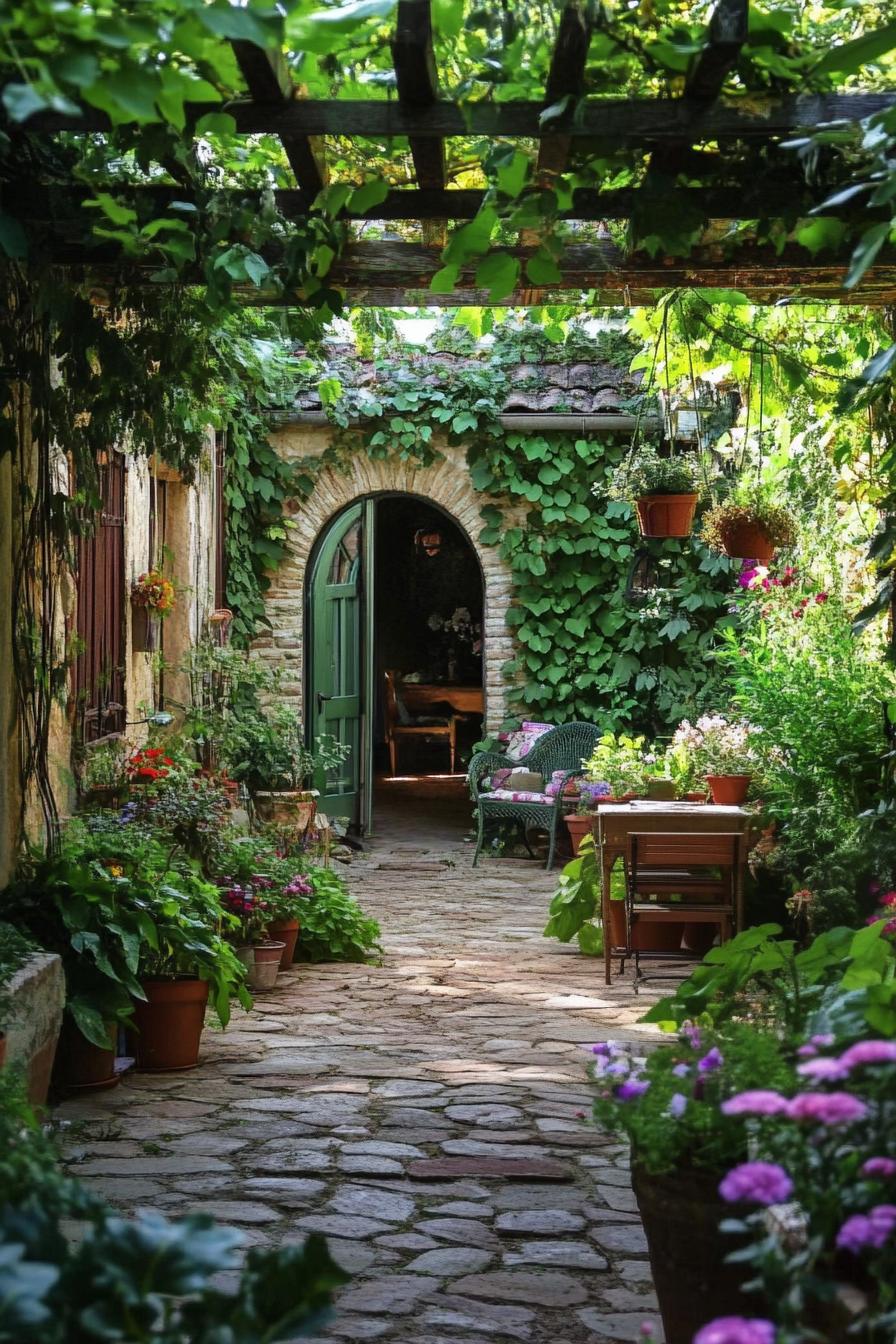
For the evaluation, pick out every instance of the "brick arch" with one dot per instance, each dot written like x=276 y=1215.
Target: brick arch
x=445 y=483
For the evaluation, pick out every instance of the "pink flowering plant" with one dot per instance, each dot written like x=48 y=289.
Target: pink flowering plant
x=829 y=1148
x=669 y=1103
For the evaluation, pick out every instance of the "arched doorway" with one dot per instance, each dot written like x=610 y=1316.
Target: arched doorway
x=394 y=590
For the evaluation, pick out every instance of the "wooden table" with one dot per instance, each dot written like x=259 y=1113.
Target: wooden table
x=615 y=822
x=419 y=696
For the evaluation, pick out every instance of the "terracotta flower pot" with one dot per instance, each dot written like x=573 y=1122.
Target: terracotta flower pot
x=82 y=1066
x=618 y=924
x=170 y=1024
x=657 y=936
x=681 y=1213
x=246 y=955
x=578 y=825
x=287 y=932
x=295 y=808
x=263 y=975
x=729 y=790
x=661 y=790
x=666 y=515
x=695 y=797
x=748 y=541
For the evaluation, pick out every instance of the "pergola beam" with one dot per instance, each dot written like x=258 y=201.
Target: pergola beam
x=388 y=274
x=270 y=84
x=58 y=207
x=612 y=120
x=726 y=32
x=415 y=73
x=566 y=79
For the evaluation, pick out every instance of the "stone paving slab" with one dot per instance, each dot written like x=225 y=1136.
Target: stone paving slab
x=427 y=1114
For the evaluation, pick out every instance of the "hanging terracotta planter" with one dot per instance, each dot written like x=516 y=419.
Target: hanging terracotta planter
x=748 y=541
x=169 y=1024
x=287 y=932
x=729 y=790
x=145 y=631
x=81 y=1066
x=666 y=515
x=263 y=975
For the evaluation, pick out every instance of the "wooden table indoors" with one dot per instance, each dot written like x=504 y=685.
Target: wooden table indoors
x=419 y=696
x=615 y=822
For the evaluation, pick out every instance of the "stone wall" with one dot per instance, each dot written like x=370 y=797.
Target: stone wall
x=446 y=483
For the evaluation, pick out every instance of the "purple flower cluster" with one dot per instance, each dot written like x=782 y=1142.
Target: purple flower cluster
x=756 y=1183
x=884 y=1168
x=299 y=886
x=613 y=1062
x=868 y=1231
x=833 y=1070
x=736 y=1330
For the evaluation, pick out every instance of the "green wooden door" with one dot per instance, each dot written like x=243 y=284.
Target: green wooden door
x=335 y=684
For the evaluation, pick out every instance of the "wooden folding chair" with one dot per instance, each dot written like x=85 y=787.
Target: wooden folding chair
x=700 y=869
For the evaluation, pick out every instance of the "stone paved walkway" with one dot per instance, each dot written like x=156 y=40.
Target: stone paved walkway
x=426 y=1114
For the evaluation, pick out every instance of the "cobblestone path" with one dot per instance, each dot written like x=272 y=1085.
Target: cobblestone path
x=426 y=1114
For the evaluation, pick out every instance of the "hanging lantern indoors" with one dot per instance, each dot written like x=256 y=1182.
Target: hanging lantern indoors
x=428 y=541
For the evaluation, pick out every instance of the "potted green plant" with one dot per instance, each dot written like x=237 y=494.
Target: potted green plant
x=665 y=490
x=15 y=949
x=681 y=766
x=618 y=762
x=579 y=823
x=749 y=526
x=153 y=597
x=265 y=749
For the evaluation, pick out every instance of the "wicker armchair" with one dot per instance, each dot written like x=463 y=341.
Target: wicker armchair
x=563 y=748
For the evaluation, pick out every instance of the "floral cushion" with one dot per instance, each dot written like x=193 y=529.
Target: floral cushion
x=523 y=740
x=518 y=796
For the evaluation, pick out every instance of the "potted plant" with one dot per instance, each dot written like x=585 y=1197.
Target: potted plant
x=668 y=1106
x=286 y=903
x=186 y=965
x=104 y=779
x=153 y=597
x=619 y=763
x=580 y=822
x=265 y=749
x=681 y=764
x=248 y=904
x=665 y=491
x=15 y=949
x=726 y=755
x=749 y=526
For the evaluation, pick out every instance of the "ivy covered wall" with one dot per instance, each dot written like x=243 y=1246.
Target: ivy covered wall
x=580 y=646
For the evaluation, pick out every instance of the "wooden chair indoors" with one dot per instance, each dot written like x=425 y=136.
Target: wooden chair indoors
x=402 y=727
x=700 y=870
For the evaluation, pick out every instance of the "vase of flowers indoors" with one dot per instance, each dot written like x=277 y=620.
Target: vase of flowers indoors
x=749 y=527
x=665 y=491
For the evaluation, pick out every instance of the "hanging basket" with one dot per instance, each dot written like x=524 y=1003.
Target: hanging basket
x=666 y=515
x=749 y=541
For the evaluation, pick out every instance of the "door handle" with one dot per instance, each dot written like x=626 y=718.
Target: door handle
x=320 y=701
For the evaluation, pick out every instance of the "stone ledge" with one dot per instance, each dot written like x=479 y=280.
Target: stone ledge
x=37 y=992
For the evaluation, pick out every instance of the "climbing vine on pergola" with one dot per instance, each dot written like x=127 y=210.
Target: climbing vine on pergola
x=187 y=141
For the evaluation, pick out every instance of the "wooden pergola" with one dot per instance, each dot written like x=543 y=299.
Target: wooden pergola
x=739 y=139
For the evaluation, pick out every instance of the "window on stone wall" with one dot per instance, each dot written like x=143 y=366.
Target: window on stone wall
x=98 y=674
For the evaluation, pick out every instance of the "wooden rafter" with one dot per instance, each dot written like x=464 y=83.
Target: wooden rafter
x=270 y=84
x=61 y=208
x=566 y=79
x=613 y=120
x=391 y=274
x=415 y=73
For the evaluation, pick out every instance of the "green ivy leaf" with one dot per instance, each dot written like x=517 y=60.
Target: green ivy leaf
x=498 y=273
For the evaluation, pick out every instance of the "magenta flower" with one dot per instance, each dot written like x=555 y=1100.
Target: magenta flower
x=736 y=1330
x=629 y=1091
x=756 y=1102
x=823 y=1070
x=883 y=1167
x=692 y=1035
x=712 y=1060
x=827 y=1108
x=867 y=1230
x=756 y=1183
x=869 y=1052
